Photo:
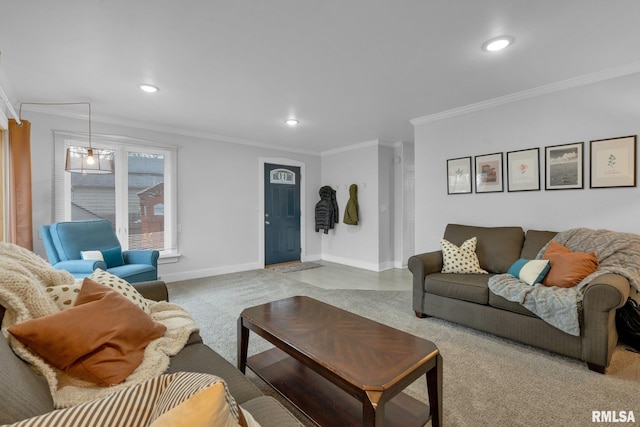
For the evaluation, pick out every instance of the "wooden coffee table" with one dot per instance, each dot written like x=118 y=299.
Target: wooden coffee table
x=324 y=357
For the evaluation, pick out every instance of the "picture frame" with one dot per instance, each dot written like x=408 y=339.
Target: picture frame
x=564 y=166
x=459 y=175
x=613 y=162
x=523 y=170
x=488 y=173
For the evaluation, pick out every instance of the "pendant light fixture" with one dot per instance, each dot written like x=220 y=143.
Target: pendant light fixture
x=84 y=160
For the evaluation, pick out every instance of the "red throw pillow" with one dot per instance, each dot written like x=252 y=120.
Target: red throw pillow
x=568 y=268
x=101 y=339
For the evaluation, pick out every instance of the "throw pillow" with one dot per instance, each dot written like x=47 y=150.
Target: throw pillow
x=194 y=399
x=101 y=339
x=122 y=286
x=64 y=295
x=530 y=271
x=461 y=259
x=206 y=408
x=568 y=268
x=93 y=255
x=113 y=257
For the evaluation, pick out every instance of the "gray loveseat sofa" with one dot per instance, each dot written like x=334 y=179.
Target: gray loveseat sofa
x=466 y=298
x=26 y=394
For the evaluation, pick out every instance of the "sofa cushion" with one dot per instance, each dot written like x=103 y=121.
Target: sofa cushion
x=29 y=392
x=497 y=247
x=504 y=304
x=466 y=287
x=201 y=358
x=534 y=241
x=460 y=259
x=269 y=412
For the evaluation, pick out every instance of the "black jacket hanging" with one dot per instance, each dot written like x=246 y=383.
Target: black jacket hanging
x=326 y=209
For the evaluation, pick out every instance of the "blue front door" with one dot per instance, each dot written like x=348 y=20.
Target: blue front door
x=281 y=214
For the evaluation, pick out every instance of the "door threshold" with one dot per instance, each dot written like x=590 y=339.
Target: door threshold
x=282 y=264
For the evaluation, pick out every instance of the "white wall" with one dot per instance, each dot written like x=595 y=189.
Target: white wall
x=218 y=195
x=386 y=207
x=602 y=110
x=355 y=245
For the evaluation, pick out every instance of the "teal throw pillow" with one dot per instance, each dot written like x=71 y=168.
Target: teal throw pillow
x=530 y=271
x=113 y=257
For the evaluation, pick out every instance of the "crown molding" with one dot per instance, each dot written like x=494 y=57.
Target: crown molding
x=357 y=146
x=4 y=120
x=166 y=129
x=586 y=79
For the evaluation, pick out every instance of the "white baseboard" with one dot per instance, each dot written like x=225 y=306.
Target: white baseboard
x=196 y=274
x=207 y=272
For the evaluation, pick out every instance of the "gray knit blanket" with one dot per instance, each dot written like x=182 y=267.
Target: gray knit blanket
x=24 y=277
x=617 y=253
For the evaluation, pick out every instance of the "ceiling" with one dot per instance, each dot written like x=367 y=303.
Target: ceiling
x=350 y=70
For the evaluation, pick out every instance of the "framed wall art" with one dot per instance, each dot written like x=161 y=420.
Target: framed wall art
x=489 y=173
x=564 y=166
x=523 y=170
x=459 y=175
x=613 y=162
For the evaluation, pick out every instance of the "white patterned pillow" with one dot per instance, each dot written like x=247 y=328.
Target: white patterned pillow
x=122 y=286
x=461 y=259
x=64 y=295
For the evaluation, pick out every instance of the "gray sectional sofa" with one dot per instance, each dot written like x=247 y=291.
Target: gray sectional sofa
x=466 y=298
x=26 y=394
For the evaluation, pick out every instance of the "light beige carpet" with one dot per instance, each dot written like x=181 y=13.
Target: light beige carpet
x=488 y=381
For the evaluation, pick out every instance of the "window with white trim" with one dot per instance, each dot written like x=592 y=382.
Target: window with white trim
x=138 y=199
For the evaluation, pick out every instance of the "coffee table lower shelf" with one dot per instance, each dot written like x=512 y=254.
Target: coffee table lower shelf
x=322 y=401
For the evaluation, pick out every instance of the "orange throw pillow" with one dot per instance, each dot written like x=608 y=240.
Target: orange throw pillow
x=568 y=268
x=101 y=339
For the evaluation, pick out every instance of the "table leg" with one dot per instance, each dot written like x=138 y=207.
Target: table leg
x=243 y=345
x=434 y=387
x=372 y=410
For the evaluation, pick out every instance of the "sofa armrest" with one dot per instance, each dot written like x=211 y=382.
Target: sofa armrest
x=605 y=293
x=420 y=266
x=154 y=290
x=423 y=264
x=602 y=297
x=80 y=266
x=141 y=256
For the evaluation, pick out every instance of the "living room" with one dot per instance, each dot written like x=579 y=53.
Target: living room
x=219 y=226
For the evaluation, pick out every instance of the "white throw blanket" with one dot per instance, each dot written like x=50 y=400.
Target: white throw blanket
x=24 y=277
x=617 y=253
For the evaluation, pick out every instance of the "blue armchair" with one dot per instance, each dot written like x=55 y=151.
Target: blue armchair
x=64 y=242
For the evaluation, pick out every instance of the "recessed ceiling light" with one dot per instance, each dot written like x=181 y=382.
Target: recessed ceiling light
x=498 y=43
x=291 y=122
x=148 y=88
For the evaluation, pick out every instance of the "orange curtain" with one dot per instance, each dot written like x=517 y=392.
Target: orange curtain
x=20 y=219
